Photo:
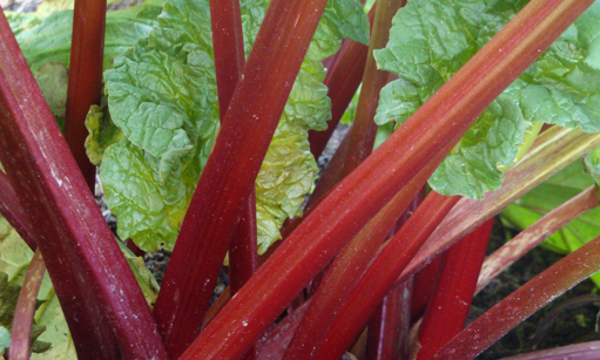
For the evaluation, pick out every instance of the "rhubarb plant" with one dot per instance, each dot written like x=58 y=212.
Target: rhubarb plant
x=473 y=90
x=169 y=120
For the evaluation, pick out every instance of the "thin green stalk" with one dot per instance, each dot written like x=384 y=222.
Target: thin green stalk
x=522 y=303
x=447 y=114
x=21 y=327
x=85 y=78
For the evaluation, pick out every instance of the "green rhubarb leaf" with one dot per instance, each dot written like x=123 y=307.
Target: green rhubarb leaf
x=20 y=22
x=560 y=88
x=592 y=164
x=102 y=133
x=53 y=80
x=144 y=277
x=150 y=207
x=341 y=20
x=50 y=39
x=162 y=95
x=4 y=339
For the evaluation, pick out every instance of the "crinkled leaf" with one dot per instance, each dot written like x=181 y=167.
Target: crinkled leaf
x=431 y=40
x=555 y=191
x=163 y=96
x=149 y=210
x=53 y=80
x=15 y=255
x=102 y=133
x=49 y=6
x=20 y=22
x=144 y=277
x=50 y=41
x=341 y=20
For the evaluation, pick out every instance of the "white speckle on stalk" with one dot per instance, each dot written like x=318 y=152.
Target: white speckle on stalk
x=59 y=181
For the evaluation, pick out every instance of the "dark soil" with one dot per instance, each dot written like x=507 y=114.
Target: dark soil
x=570 y=319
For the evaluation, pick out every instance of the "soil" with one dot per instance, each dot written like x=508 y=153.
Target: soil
x=570 y=319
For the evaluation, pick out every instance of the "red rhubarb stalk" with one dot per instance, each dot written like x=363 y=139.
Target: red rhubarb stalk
x=358 y=143
x=356 y=255
x=11 y=209
x=553 y=150
x=446 y=115
x=85 y=78
x=102 y=301
x=447 y=311
x=422 y=290
x=363 y=131
x=229 y=175
x=228 y=44
x=389 y=327
x=275 y=343
x=21 y=326
x=346 y=270
x=584 y=351
x=381 y=275
x=342 y=80
x=535 y=234
x=522 y=303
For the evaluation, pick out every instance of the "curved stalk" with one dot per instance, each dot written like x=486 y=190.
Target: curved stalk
x=21 y=329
